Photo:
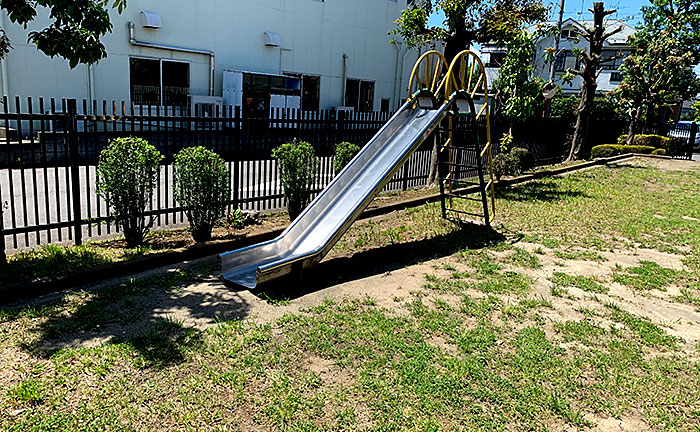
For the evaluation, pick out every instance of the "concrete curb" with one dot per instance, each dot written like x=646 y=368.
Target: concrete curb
x=46 y=285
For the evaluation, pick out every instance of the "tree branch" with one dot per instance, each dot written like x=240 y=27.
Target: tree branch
x=613 y=32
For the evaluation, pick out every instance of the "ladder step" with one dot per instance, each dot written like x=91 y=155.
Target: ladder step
x=452 y=195
x=462 y=182
x=463 y=212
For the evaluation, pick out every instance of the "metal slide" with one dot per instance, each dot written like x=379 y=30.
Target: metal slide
x=309 y=238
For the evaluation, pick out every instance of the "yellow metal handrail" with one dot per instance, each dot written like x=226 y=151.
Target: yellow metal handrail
x=430 y=76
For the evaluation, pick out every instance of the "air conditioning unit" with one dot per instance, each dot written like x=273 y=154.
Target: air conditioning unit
x=205 y=106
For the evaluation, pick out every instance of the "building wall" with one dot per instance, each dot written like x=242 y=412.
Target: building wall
x=314 y=36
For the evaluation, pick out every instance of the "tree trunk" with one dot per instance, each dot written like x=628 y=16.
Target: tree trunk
x=634 y=121
x=579 y=144
x=433 y=176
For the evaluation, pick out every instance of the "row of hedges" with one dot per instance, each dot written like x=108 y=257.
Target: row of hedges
x=128 y=170
x=608 y=150
x=644 y=144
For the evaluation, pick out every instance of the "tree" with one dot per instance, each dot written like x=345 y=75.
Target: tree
x=75 y=31
x=467 y=21
x=590 y=61
x=659 y=73
x=518 y=91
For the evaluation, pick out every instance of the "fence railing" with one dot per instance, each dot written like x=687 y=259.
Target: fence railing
x=49 y=152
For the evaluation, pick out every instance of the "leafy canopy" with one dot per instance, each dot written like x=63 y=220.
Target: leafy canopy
x=468 y=21
x=75 y=31
x=667 y=46
x=518 y=89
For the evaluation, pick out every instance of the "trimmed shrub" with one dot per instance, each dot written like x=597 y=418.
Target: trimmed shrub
x=660 y=152
x=126 y=176
x=512 y=162
x=526 y=160
x=201 y=184
x=298 y=163
x=622 y=139
x=608 y=150
x=656 y=141
x=344 y=152
x=505 y=163
x=676 y=146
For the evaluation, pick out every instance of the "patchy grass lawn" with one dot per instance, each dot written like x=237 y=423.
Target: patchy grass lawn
x=579 y=311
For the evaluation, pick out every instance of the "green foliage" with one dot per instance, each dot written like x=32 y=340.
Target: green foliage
x=604 y=107
x=672 y=146
x=608 y=150
x=75 y=30
x=298 y=163
x=525 y=159
x=126 y=176
x=518 y=90
x=666 y=48
x=512 y=162
x=344 y=152
x=659 y=152
x=466 y=21
x=201 y=185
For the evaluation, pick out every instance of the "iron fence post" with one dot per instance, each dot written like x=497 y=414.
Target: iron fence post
x=691 y=139
x=75 y=170
x=3 y=255
x=238 y=125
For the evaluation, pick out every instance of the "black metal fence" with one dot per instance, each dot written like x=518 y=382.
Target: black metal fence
x=49 y=152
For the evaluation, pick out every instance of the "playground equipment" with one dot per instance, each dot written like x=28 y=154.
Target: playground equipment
x=438 y=93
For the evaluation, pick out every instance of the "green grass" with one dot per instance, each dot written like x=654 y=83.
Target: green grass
x=648 y=276
x=585 y=255
x=29 y=391
x=473 y=349
x=584 y=283
x=523 y=258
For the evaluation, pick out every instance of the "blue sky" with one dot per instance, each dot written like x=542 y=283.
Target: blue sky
x=629 y=10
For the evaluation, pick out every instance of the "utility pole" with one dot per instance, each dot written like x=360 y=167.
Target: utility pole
x=557 y=38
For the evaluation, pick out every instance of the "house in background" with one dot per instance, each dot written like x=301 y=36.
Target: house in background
x=309 y=54
x=609 y=78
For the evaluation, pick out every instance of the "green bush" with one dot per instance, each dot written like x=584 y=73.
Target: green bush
x=622 y=139
x=505 y=163
x=201 y=184
x=344 y=152
x=126 y=176
x=608 y=150
x=512 y=162
x=298 y=164
x=676 y=146
x=656 y=141
x=526 y=160
x=660 y=152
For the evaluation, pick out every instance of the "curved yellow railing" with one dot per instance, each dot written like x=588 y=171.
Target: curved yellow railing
x=428 y=73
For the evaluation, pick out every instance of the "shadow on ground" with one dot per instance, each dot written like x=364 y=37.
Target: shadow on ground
x=539 y=190
x=159 y=316
x=377 y=261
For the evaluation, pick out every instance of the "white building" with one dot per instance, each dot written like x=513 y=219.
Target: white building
x=609 y=78
x=258 y=54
